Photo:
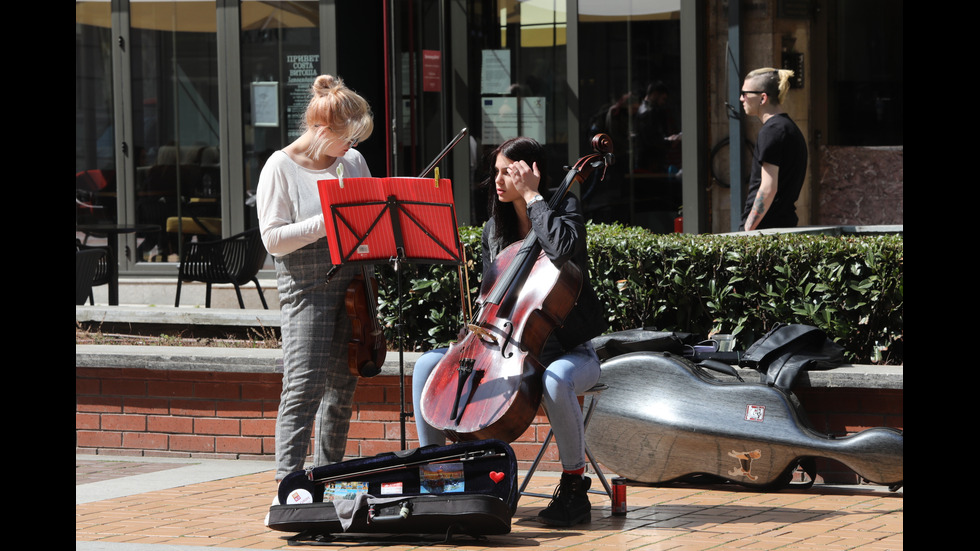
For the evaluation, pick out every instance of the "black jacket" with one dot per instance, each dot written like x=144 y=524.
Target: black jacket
x=561 y=235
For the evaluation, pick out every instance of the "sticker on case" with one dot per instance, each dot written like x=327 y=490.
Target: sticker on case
x=755 y=413
x=441 y=478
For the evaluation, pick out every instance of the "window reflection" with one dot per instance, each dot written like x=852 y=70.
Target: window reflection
x=630 y=89
x=95 y=162
x=280 y=61
x=520 y=90
x=175 y=124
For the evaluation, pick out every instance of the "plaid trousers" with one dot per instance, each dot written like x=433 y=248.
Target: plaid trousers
x=316 y=382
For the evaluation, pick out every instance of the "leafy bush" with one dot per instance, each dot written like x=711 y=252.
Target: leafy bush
x=852 y=287
x=431 y=306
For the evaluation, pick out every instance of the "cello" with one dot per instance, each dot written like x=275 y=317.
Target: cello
x=489 y=383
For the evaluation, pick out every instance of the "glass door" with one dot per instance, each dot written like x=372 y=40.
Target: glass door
x=95 y=159
x=629 y=88
x=280 y=50
x=419 y=92
x=174 y=87
x=517 y=59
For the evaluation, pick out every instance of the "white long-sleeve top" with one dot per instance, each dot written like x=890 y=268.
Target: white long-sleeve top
x=288 y=200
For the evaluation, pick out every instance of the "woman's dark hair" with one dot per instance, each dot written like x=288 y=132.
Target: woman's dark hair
x=503 y=214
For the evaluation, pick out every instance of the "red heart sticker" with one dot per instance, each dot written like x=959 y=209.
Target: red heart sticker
x=496 y=476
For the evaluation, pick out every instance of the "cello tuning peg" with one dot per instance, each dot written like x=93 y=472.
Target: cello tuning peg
x=602 y=143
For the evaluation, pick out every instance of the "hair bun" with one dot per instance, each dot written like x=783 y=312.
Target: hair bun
x=324 y=83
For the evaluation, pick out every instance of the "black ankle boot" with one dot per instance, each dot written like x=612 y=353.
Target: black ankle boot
x=570 y=503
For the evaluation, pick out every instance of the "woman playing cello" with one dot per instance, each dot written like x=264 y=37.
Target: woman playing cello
x=572 y=366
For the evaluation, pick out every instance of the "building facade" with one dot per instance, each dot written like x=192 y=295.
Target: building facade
x=180 y=102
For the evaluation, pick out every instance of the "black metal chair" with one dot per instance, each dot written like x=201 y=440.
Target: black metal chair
x=86 y=263
x=236 y=260
x=102 y=270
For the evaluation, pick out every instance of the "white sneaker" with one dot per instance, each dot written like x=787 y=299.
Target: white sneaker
x=275 y=501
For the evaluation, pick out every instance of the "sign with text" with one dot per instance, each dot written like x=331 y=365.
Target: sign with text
x=509 y=117
x=301 y=71
x=431 y=71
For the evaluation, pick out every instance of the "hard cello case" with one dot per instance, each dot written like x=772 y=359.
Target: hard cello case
x=664 y=418
x=468 y=488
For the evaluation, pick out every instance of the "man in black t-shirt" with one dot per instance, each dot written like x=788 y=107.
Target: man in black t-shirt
x=780 y=158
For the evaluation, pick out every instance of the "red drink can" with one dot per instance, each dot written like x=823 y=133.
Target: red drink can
x=619 y=496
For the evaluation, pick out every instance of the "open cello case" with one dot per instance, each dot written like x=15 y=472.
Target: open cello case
x=668 y=415
x=468 y=488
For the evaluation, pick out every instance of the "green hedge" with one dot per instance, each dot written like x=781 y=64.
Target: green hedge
x=852 y=287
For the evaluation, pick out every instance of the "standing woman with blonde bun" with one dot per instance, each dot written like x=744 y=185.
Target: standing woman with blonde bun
x=316 y=382
x=780 y=157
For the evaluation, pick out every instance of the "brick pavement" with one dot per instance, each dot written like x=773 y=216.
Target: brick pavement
x=227 y=513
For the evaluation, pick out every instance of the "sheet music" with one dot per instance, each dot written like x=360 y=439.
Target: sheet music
x=361 y=226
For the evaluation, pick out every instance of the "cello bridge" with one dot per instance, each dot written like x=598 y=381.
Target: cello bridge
x=481 y=333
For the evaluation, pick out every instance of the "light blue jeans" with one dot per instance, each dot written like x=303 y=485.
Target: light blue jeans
x=565 y=378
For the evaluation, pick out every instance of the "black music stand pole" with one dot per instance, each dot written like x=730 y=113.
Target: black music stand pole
x=402 y=413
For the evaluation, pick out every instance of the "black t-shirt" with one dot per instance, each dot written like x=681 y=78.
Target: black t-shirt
x=780 y=143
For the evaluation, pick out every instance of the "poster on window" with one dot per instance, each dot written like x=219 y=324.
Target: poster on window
x=495 y=76
x=431 y=71
x=265 y=103
x=301 y=71
x=508 y=117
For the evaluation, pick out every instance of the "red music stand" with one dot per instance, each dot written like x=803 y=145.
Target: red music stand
x=390 y=220
x=394 y=220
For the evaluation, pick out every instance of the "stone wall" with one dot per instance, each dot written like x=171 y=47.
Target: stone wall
x=860 y=186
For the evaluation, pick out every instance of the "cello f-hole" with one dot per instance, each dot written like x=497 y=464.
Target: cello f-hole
x=507 y=339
